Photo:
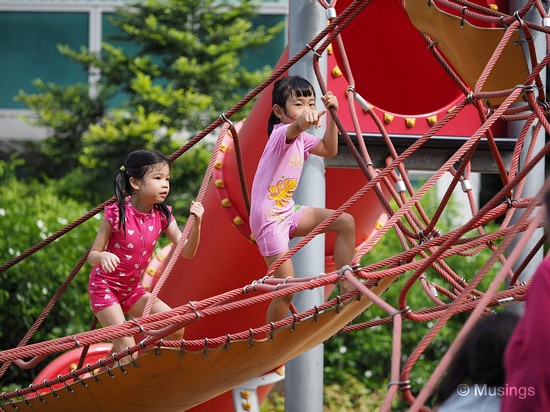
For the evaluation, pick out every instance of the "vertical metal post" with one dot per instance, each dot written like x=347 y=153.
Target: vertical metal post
x=94 y=44
x=304 y=374
x=535 y=179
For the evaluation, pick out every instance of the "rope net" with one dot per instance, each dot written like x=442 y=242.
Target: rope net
x=501 y=79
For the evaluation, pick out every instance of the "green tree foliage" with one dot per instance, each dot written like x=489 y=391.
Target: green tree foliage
x=173 y=67
x=30 y=212
x=67 y=111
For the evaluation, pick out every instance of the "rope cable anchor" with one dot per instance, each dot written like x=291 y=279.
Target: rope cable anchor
x=250 y=337
x=23 y=396
x=403 y=312
x=54 y=393
x=422 y=238
x=331 y=13
x=463 y=16
x=226 y=119
x=490 y=109
x=510 y=201
x=77 y=377
x=205 y=350
x=315 y=52
x=403 y=385
x=361 y=101
x=250 y=288
x=466 y=185
x=432 y=45
x=182 y=348
x=192 y=305
x=506 y=301
x=316 y=314
x=93 y=372
x=519 y=19
x=544 y=104
x=108 y=370
x=13 y=405
x=293 y=327
x=136 y=323
x=344 y=269
x=338 y=303
x=157 y=349
x=272 y=330
x=71 y=390
x=38 y=395
x=76 y=341
x=121 y=367
x=134 y=364
x=527 y=88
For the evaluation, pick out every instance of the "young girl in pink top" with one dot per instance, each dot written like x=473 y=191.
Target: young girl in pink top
x=126 y=240
x=274 y=217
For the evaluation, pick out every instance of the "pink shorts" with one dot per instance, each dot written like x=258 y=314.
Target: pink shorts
x=104 y=294
x=274 y=238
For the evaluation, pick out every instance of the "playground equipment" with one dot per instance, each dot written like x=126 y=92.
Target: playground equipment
x=469 y=90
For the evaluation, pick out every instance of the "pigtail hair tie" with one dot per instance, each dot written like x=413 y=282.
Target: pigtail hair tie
x=122 y=168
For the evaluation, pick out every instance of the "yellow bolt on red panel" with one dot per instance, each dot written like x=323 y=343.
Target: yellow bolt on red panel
x=410 y=121
x=432 y=120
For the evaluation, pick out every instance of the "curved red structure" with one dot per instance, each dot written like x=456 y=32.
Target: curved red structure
x=392 y=73
x=228 y=258
x=397 y=74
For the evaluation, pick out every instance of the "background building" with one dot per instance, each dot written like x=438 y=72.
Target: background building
x=30 y=31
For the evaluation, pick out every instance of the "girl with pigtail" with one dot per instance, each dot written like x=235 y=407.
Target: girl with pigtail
x=127 y=237
x=274 y=216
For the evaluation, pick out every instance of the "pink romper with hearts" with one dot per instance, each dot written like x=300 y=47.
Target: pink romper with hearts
x=134 y=250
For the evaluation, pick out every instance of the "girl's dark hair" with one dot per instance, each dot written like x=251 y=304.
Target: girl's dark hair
x=137 y=165
x=282 y=90
x=480 y=359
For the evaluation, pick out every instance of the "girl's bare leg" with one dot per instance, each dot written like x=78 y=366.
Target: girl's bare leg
x=158 y=306
x=113 y=315
x=278 y=308
x=343 y=226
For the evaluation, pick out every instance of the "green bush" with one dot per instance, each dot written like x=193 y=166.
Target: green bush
x=29 y=213
x=350 y=396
